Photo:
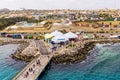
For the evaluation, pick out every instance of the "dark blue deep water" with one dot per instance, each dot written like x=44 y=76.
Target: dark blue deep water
x=102 y=64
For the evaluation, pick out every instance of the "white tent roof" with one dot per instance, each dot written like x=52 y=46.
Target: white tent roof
x=59 y=38
x=56 y=33
x=70 y=35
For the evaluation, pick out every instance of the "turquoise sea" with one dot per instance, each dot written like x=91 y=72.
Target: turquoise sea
x=8 y=66
x=103 y=63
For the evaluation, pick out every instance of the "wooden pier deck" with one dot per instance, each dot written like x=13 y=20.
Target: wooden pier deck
x=37 y=70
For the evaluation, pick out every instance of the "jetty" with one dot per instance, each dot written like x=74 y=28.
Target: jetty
x=37 y=65
x=33 y=69
x=37 y=68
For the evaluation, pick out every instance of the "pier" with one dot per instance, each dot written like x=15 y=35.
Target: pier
x=37 y=65
x=34 y=68
x=44 y=58
x=37 y=69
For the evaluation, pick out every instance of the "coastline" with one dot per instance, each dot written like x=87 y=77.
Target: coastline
x=28 y=52
x=9 y=65
x=17 y=54
x=79 y=53
x=70 y=55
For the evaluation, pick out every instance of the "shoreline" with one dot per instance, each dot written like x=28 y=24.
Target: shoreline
x=29 y=51
x=70 y=55
x=17 y=55
x=79 y=54
x=22 y=45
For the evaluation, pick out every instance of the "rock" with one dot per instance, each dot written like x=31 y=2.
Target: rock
x=28 y=52
x=78 y=54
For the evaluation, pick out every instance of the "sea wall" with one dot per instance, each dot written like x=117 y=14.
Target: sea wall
x=79 y=53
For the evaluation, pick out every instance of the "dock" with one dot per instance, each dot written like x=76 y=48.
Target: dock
x=37 y=70
x=44 y=58
x=33 y=69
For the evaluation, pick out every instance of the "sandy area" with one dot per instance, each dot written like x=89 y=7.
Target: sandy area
x=72 y=28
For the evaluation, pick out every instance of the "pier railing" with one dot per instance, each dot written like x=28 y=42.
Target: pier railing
x=44 y=60
x=26 y=67
x=43 y=67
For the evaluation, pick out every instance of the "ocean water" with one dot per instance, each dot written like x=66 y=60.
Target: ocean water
x=8 y=66
x=103 y=63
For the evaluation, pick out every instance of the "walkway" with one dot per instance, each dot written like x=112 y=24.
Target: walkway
x=37 y=69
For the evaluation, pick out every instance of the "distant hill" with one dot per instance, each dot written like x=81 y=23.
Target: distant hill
x=4 y=10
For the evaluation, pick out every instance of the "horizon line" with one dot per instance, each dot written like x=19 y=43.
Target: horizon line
x=61 y=9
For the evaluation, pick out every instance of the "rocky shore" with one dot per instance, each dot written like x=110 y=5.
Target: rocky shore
x=71 y=56
x=17 y=55
x=22 y=45
x=80 y=53
x=27 y=52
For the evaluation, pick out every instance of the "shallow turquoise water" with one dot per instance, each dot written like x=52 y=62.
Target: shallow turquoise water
x=8 y=66
x=102 y=64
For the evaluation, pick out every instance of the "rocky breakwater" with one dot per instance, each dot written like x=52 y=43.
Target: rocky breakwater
x=79 y=52
x=29 y=52
x=74 y=54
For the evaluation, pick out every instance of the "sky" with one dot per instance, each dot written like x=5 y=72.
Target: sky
x=60 y=4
